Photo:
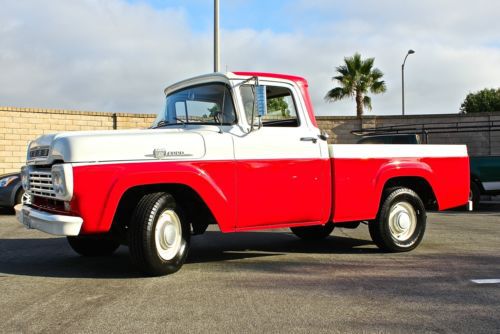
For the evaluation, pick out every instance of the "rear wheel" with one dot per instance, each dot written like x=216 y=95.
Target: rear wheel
x=316 y=232
x=94 y=245
x=158 y=235
x=401 y=221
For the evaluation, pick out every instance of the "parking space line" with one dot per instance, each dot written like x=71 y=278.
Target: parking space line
x=486 y=281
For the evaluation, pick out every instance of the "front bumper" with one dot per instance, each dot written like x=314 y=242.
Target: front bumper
x=48 y=222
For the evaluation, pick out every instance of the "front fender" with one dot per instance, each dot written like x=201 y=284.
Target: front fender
x=99 y=188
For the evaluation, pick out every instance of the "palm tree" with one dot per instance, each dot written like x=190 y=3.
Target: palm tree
x=356 y=78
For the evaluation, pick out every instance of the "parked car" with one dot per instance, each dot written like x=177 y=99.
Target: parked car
x=11 y=191
x=484 y=177
x=391 y=139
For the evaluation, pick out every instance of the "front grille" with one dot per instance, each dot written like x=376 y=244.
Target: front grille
x=39 y=152
x=41 y=183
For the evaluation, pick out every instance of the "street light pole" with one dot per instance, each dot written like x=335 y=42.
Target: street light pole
x=216 y=37
x=403 y=78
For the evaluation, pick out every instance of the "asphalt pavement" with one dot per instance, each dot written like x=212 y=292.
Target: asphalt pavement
x=259 y=282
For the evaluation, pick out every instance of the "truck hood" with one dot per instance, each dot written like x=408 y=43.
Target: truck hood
x=116 y=145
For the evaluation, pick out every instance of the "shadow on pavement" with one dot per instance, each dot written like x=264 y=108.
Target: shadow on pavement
x=7 y=211
x=52 y=257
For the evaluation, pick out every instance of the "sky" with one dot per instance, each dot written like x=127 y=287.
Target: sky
x=119 y=55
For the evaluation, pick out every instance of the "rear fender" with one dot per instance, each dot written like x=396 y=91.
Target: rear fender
x=397 y=169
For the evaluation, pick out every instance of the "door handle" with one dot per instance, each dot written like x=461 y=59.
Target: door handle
x=313 y=139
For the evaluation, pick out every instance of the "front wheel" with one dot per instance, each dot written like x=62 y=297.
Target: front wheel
x=400 y=223
x=158 y=235
x=316 y=232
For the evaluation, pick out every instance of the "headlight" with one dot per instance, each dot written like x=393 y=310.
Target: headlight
x=62 y=181
x=25 y=177
x=58 y=180
x=7 y=180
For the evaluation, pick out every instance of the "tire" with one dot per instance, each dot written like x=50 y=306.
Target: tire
x=401 y=221
x=474 y=194
x=158 y=234
x=311 y=233
x=94 y=245
x=19 y=196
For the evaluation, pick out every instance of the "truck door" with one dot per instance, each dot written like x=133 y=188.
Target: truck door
x=280 y=177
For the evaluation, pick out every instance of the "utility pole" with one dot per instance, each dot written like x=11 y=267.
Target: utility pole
x=216 y=37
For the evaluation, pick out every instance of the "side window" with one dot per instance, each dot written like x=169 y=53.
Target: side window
x=281 y=110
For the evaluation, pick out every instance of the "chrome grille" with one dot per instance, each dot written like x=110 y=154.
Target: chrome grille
x=41 y=183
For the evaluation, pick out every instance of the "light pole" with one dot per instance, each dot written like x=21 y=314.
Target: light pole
x=216 y=37
x=410 y=52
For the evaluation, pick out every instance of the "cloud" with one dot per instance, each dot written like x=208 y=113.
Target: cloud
x=118 y=56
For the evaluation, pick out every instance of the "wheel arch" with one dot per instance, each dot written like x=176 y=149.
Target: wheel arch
x=198 y=213
x=418 y=184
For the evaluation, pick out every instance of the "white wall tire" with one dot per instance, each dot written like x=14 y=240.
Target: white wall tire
x=158 y=235
x=401 y=221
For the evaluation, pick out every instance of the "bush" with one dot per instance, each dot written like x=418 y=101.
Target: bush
x=486 y=100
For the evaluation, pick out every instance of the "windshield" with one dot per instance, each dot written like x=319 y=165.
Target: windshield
x=204 y=104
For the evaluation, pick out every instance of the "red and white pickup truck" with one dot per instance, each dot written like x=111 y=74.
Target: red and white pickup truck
x=243 y=151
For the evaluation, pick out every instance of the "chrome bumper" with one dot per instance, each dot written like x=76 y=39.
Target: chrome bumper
x=48 y=222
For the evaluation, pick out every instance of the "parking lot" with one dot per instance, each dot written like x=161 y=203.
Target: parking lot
x=261 y=282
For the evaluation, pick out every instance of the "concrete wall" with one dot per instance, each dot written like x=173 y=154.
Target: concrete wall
x=20 y=125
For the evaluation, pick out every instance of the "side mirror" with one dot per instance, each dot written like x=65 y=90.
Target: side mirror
x=261 y=100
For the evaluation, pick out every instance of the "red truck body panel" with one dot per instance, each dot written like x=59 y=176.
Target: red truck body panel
x=237 y=199
x=358 y=183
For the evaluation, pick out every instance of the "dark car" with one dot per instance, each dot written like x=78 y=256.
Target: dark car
x=11 y=191
x=391 y=139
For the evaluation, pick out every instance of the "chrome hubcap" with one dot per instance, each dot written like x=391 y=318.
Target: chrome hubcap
x=168 y=235
x=402 y=221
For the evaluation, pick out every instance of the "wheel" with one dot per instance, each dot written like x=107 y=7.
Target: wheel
x=94 y=245
x=474 y=194
x=400 y=223
x=316 y=232
x=158 y=235
x=22 y=197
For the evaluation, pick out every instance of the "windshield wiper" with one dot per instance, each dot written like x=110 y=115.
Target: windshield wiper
x=164 y=123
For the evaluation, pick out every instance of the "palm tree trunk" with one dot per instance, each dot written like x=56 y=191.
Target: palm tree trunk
x=359 y=104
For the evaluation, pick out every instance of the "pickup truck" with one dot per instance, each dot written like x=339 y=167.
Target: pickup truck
x=241 y=150
x=485 y=177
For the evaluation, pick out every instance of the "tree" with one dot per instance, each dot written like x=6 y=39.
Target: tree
x=278 y=104
x=486 y=100
x=356 y=78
